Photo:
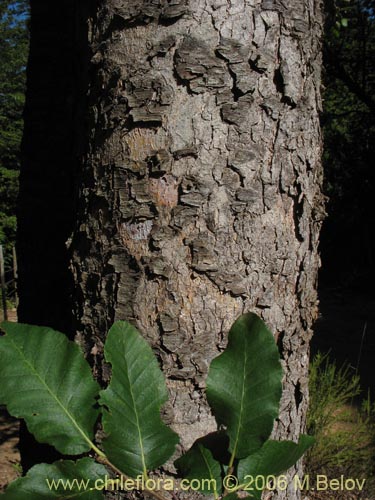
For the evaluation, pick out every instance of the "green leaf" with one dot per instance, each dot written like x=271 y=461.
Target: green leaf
x=273 y=458
x=244 y=385
x=46 y=380
x=137 y=439
x=62 y=479
x=344 y=22
x=198 y=463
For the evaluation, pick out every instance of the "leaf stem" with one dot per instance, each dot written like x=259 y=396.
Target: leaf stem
x=231 y=462
x=101 y=458
x=97 y=450
x=230 y=471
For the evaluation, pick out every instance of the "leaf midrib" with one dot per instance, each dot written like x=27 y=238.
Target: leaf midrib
x=216 y=495
x=140 y=437
x=241 y=406
x=70 y=416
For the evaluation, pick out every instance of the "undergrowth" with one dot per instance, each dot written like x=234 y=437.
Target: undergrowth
x=344 y=429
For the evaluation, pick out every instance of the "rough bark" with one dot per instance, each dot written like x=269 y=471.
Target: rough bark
x=200 y=193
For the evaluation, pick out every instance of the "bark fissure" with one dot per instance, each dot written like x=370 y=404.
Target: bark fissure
x=200 y=194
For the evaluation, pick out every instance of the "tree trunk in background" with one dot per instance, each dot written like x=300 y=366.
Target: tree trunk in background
x=200 y=191
x=51 y=150
x=200 y=195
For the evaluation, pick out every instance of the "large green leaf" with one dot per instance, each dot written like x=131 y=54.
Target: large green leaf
x=137 y=439
x=273 y=458
x=198 y=463
x=81 y=480
x=46 y=380
x=244 y=385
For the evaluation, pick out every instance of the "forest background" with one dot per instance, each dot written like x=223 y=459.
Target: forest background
x=348 y=123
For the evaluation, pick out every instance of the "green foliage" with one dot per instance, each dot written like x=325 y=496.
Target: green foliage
x=9 y=302
x=330 y=388
x=56 y=402
x=47 y=381
x=137 y=440
x=199 y=463
x=82 y=475
x=345 y=437
x=244 y=385
x=244 y=390
x=13 y=57
x=274 y=457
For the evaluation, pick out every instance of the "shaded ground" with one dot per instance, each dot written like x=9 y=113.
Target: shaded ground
x=12 y=315
x=9 y=455
x=346 y=327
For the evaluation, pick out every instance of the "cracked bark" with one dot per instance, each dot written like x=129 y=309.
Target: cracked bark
x=200 y=190
x=200 y=194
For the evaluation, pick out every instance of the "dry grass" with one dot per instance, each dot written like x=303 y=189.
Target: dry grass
x=345 y=432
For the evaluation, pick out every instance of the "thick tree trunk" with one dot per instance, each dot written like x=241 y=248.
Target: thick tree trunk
x=200 y=195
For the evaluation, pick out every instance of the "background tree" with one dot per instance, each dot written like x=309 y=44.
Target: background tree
x=197 y=177
x=51 y=147
x=348 y=242
x=13 y=56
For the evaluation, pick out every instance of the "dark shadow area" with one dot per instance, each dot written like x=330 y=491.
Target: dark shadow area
x=346 y=329
x=346 y=326
x=52 y=150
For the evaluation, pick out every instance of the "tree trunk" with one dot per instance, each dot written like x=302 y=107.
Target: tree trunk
x=200 y=195
x=51 y=150
x=200 y=191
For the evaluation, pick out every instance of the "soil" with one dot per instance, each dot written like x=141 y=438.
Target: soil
x=9 y=454
x=12 y=315
x=10 y=467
